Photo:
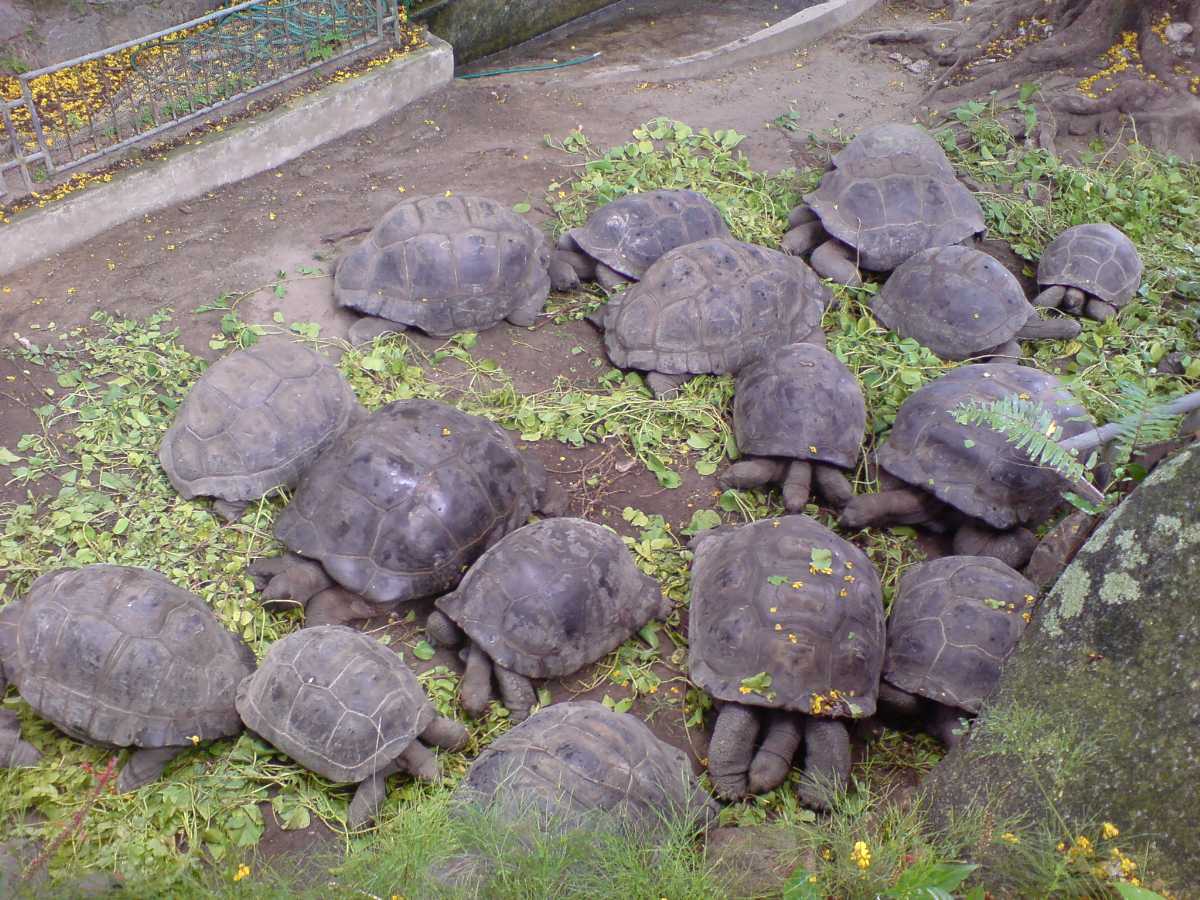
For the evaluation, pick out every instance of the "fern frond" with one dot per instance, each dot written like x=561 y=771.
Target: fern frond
x=1028 y=426
x=1140 y=422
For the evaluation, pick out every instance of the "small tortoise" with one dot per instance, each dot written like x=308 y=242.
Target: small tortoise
x=622 y=239
x=799 y=412
x=444 y=265
x=544 y=602
x=575 y=764
x=1090 y=269
x=712 y=307
x=961 y=303
x=344 y=706
x=398 y=508
x=255 y=421
x=121 y=657
x=786 y=617
x=954 y=622
x=890 y=193
x=949 y=470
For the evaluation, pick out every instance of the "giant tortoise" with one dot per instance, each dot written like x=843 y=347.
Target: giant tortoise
x=1092 y=269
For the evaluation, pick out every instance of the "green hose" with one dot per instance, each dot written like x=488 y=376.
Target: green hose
x=515 y=70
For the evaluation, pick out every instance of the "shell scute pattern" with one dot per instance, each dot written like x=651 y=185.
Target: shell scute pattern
x=401 y=503
x=445 y=264
x=954 y=622
x=757 y=606
x=123 y=657
x=797 y=398
x=972 y=467
x=336 y=701
x=256 y=420
x=1096 y=258
x=713 y=306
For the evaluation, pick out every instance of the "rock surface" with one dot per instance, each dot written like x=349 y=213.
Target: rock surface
x=1097 y=717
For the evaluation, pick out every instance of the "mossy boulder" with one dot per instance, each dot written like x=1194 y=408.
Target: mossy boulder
x=1097 y=717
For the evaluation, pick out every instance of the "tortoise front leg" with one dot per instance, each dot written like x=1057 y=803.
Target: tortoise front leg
x=833 y=485
x=445 y=733
x=516 y=693
x=475 y=691
x=1012 y=546
x=901 y=704
x=442 y=630
x=230 y=510
x=946 y=724
x=14 y=752
x=797 y=486
x=773 y=760
x=901 y=506
x=731 y=750
x=338 y=606
x=802 y=238
x=752 y=473
x=826 y=761
x=369 y=796
x=1095 y=308
x=146 y=765
x=368 y=328
x=294 y=584
x=1052 y=297
x=609 y=278
x=835 y=260
x=664 y=386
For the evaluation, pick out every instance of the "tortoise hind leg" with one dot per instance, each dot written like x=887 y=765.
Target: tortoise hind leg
x=1012 y=546
x=826 y=761
x=752 y=473
x=445 y=733
x=946 y=724
x=14 y=752
x=773 y=760
x=527 y=312
x=664 y=386
x=516 y=692
x=230 y=510
x=146 y=765
x=899 y=506
x=731 y=750
x=833 y=485
x=368 y=328
x=609 y=278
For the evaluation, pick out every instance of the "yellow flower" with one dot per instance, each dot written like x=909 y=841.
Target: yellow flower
x=445 y=432
x=1110 y=831
x=796 y=585
x=861 y=855
x=242 y=872
x=1010 y=838
x=195 y=739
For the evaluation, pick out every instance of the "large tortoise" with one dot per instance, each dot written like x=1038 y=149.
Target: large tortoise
x=954 y=622
x=544 y=602
x=121 y=657
x=890 y=193
x=580 y=763
x=961 y=303
x=1093 y=269
x=344 y=706
x=255 y=421
x=398 y=508
x=787 y=630
x=622 y=239
x=444 y=265
x=712 y=307
x=969 y=477
x=799 y=414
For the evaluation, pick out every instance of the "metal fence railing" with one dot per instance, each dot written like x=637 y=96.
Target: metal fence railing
x=68 y=115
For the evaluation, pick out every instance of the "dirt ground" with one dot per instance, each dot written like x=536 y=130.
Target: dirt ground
x=479 y=136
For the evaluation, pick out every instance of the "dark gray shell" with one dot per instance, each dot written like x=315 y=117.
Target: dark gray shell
x=895 y=147
x=552 y=597
x=954 y=622
x=122 y=657
x=631 y=233
x=800 y=402
x=714 y=306
x=336 y=701
x=892 y=196
x=1096 y=258
x=574 y=763
x=972 y=467
x=956 y=301
x=758 y=606
x=400 y=505
x=255 y=420
x=445 y=264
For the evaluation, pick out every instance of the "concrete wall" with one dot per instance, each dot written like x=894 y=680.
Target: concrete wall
x=478 y=27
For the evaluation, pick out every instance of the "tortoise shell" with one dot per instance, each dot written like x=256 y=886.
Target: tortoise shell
x=799 y=402
x=889 y=207
x=256 y=420
x=400 y=505
x=632 y=232
x=789 y=599
x=122 y=657
x=714 y=306
x=956 y=301
x=572 y=763
x=895 y=147
x=552 y=597
x=1096 y=258
x=972 y=467
x=445 y=264
x=954 y=622
x=336 y=701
